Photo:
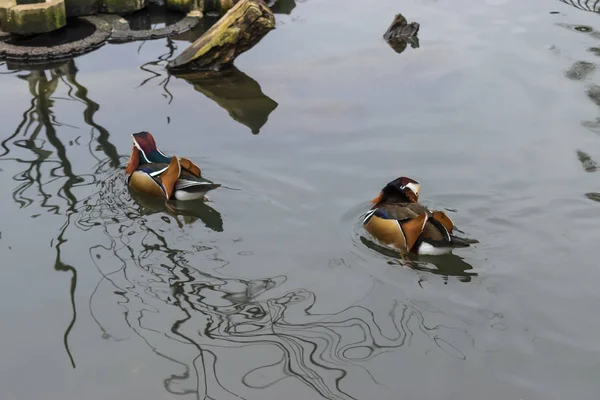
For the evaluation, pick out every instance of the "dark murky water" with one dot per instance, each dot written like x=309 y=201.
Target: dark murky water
x=272 y=290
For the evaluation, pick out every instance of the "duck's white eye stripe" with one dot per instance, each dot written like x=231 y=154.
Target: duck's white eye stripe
x=136 y=144
x=413 y=187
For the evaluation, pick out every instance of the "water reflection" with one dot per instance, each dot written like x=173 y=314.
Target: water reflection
x=156 y=70
x=233 y=90
x=589 y=165
x=48 y=172
x=237 y=93
x=594 y=196
x=582 y=70
x=153 y=16
x=587 y=5
x=447 y=265
x=190 y=211
x=227 y=337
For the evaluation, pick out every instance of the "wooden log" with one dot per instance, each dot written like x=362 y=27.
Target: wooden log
x=237 y=31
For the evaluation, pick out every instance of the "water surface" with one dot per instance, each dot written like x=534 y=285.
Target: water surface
x=271 y=290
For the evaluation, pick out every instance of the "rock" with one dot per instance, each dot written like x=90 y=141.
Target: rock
x=225 y=5
x=4 y=36
x=123 y=6
x=400 y=33
x=283 y=6
x=236 y=32
x=31 y=19
x=36 y=50
x=220 y=6
x=76 y=8
x=185 y=5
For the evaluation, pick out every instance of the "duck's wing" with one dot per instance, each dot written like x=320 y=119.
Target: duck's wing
x=397 y=224
x=187 y=179
x=170 y=176
x=190 y=167
x=438 y=232
x=150 y=177
x=443 y=219
x=439 y=226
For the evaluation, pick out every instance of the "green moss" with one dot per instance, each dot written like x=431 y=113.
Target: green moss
x=182 y=5
x=229 y=36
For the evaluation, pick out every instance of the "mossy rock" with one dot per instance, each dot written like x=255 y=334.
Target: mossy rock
x=225 y=5
x=31 y=19
x=185 y=5
x=21 y=2
x=123 y=6
x=5 y=6
x=76 y=8
x=220 y=6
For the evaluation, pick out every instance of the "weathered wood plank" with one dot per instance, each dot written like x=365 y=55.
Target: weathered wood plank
x=242 y=27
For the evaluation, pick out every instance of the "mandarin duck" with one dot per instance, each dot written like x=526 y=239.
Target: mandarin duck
x=399 y=221
x=152 y=172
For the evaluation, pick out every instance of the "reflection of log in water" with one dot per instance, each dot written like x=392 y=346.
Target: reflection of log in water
x=236 y=92
x=50 y=158
x=152 y=17
x=228 y=337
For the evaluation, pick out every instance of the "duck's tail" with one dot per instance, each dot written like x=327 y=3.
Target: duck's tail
x=193 y=190
x=457 y=241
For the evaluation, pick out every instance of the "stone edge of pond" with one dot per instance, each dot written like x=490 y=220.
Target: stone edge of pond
x=109 y=28
x=67 y=50
x=4 y=36
x=122 y=33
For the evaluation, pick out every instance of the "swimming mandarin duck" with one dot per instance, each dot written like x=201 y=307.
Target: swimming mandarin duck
x=152 y=172
x=399 y=221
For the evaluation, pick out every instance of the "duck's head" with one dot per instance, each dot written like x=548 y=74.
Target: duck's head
x=150 y=153
x=144 y=142
x=400 y=190
x=144 y=151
